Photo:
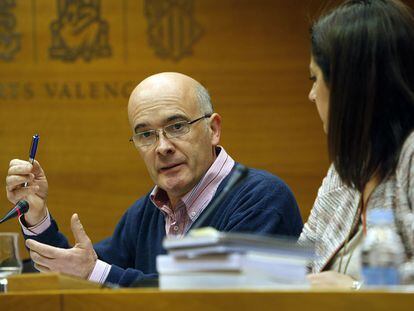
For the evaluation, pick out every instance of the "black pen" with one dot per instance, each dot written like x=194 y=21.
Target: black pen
x=32 y=151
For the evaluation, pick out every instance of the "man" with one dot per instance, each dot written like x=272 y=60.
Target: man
x=176 y=133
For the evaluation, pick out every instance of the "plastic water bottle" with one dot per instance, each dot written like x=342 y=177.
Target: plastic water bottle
x=382 y=251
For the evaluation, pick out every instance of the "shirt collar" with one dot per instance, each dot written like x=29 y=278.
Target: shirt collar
x=191 y=200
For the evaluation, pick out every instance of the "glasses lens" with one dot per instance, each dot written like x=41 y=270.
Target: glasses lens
x=177 y=129
x=145 y=138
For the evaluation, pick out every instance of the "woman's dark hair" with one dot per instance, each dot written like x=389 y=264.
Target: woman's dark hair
x=365 y=50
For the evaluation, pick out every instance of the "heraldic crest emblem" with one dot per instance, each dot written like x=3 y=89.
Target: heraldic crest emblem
x=9 y=39
x=172 y=28
x=79 y=31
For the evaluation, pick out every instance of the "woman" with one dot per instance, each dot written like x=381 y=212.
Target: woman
x=362 y=68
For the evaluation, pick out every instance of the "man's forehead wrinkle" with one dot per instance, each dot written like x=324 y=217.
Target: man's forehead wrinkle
x=152 y=99
x=167 y=98
x=164 y=109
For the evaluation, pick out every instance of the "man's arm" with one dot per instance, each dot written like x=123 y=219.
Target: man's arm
x=49 y=248
x=51 y=251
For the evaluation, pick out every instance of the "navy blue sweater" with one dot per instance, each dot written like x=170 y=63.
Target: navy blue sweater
x=261 y=204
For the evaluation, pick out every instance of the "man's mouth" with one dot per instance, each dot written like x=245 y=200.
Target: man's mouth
x=170 y=167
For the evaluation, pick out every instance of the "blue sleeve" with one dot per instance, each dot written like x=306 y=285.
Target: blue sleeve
x=126 y=277
x=50 y=236
x=266 y=206
x=118 y=249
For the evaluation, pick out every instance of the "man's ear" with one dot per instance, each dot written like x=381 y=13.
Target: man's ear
x=215 y=127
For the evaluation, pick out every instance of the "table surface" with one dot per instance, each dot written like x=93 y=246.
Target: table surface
x=61 y=295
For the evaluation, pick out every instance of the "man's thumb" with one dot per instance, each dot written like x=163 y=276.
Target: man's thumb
x=77 y=230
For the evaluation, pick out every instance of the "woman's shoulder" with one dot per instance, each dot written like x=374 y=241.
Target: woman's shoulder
x=331 y=182
x=334 y=192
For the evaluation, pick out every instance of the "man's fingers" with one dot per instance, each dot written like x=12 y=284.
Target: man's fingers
x=44 y=250
x=19 y=168
x=22 y=193
x=37 y=169
x=16 y=162
x=41 y=260
x=78 y=230
x=15 y=181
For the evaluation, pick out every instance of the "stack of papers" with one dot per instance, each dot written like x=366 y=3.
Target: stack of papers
x=210 y=259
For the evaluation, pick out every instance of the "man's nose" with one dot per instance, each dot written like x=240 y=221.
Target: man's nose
x=164 y=145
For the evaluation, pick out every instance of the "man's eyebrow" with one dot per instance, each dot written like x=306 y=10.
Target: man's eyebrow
x=139 y=126
x=177 y=117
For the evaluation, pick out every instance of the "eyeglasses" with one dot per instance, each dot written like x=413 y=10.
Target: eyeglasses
x=147 y=138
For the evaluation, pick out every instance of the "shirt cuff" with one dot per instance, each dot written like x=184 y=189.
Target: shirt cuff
x=100 y=272
x=38 y=228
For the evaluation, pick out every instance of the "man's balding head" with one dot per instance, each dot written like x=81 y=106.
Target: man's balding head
x=163 y=105
x=173 y=82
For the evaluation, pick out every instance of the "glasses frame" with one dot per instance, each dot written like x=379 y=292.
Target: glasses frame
x=156 y=131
